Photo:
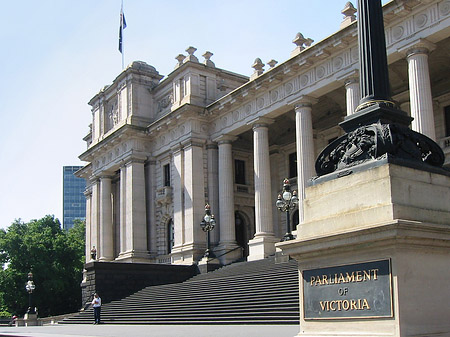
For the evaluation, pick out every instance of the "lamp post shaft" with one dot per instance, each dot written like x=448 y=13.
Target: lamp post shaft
x=374 y=79
x=288 y=222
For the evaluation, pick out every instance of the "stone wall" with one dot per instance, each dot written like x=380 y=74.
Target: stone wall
x=113 y=280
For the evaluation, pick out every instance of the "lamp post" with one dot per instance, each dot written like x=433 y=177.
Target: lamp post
x=286 y=202
x=30 y=288
x=207 y=225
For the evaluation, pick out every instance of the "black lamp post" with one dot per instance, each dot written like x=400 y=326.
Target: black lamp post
x=30 y=288
x=286 y=202
x=208 y=223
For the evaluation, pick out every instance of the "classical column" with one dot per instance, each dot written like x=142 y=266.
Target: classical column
x=135 y=212
x=150 y=198
x=420 y=91
x=226 y=193
x=106 y=249
x=263 y=244
x=178 y=203
x=194 y=196
x=88 y=244
x=95 y=218
x=305 y=151
x=123 y=209
x=213 y=184
x=352 y=94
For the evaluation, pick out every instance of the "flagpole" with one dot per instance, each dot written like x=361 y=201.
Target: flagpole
x=121 y=25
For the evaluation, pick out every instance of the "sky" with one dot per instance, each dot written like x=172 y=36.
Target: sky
x=57 y=54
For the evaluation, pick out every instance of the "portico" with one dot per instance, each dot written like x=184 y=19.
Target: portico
x=205 y=135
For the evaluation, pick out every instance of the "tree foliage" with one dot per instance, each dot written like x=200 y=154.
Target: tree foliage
x=55 y=257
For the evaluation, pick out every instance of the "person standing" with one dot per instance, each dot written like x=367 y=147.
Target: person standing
x=97 y=305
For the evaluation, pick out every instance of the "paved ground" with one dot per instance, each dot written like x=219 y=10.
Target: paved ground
x=152 y=330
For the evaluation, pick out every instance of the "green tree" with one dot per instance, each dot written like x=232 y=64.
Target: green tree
x=55 y=257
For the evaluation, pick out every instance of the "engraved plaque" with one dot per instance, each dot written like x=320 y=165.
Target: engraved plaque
x=359 y=290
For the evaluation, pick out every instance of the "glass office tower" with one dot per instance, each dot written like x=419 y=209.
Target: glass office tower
x=74 y=202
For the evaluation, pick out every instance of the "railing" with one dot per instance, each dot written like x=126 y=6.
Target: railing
x=164 y=259
x=164 y=194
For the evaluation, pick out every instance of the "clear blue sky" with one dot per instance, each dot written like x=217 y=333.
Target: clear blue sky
x=57 y=54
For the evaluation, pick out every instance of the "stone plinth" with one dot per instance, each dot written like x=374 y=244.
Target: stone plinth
x=387 y=213
x=28 y=320
x=207 y=265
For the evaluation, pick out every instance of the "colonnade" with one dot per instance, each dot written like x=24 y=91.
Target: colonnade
x=188 y=180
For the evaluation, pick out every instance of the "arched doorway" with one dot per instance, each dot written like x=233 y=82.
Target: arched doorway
x=170 y=235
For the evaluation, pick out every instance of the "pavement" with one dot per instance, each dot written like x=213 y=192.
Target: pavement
x=113 y=330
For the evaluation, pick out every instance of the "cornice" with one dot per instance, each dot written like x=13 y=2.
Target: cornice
x=111 y=140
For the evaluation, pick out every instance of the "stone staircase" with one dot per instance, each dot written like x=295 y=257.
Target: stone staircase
x=257 y=292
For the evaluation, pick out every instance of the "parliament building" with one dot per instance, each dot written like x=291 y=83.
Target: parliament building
x=162 y=147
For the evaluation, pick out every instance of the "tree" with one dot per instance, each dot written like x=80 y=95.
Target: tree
x=55 y=257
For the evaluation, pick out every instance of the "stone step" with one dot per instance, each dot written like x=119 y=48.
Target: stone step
x=258 y=292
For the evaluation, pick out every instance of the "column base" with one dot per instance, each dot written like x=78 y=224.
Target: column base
x=134 y=256
x=228 y=252
x=187 y=254
x=207 y=265
x=261 y=247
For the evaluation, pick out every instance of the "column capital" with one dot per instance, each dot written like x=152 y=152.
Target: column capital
x=106 y=175
x=134 y=158
x=193 y=142
x=260 y=122
x=225 y=139
x=211 y=145
x=88 y=192
x=419 y=46
x=303 y=101
x=351 y=80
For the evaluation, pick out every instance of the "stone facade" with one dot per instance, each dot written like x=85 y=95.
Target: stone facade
x=160 y=148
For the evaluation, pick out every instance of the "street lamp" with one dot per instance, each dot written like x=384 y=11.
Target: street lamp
x=30 y=288
x=207 y=225
x=286 y=202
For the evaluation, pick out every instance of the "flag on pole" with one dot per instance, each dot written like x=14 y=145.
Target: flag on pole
x=123 y=25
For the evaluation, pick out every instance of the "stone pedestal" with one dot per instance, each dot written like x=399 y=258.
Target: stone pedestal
x=374 y=254
x=205 y=265
x=28 y=320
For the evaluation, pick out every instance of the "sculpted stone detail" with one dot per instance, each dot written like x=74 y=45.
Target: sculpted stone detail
x=444 y=8
x=421 y=20
x=374 y=141
x=260 y=103
x=165 y=102
x=274 y=96
x=397 y=32
x=236 y=115
x=338 y=62
x=304 y=80
x=289 y=88
x=320 y=71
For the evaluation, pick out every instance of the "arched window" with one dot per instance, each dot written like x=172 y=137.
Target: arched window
x=170 y=236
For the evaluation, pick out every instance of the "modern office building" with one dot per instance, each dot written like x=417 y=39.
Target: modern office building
x=161 y=147
x=74 y=201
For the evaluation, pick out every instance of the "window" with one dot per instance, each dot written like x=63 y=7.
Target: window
x=293 y=165
x=170 y=236
x=239 y=172
x=166 y=175
x=447 y=120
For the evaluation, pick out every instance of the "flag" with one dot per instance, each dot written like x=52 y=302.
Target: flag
x=123 y=25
